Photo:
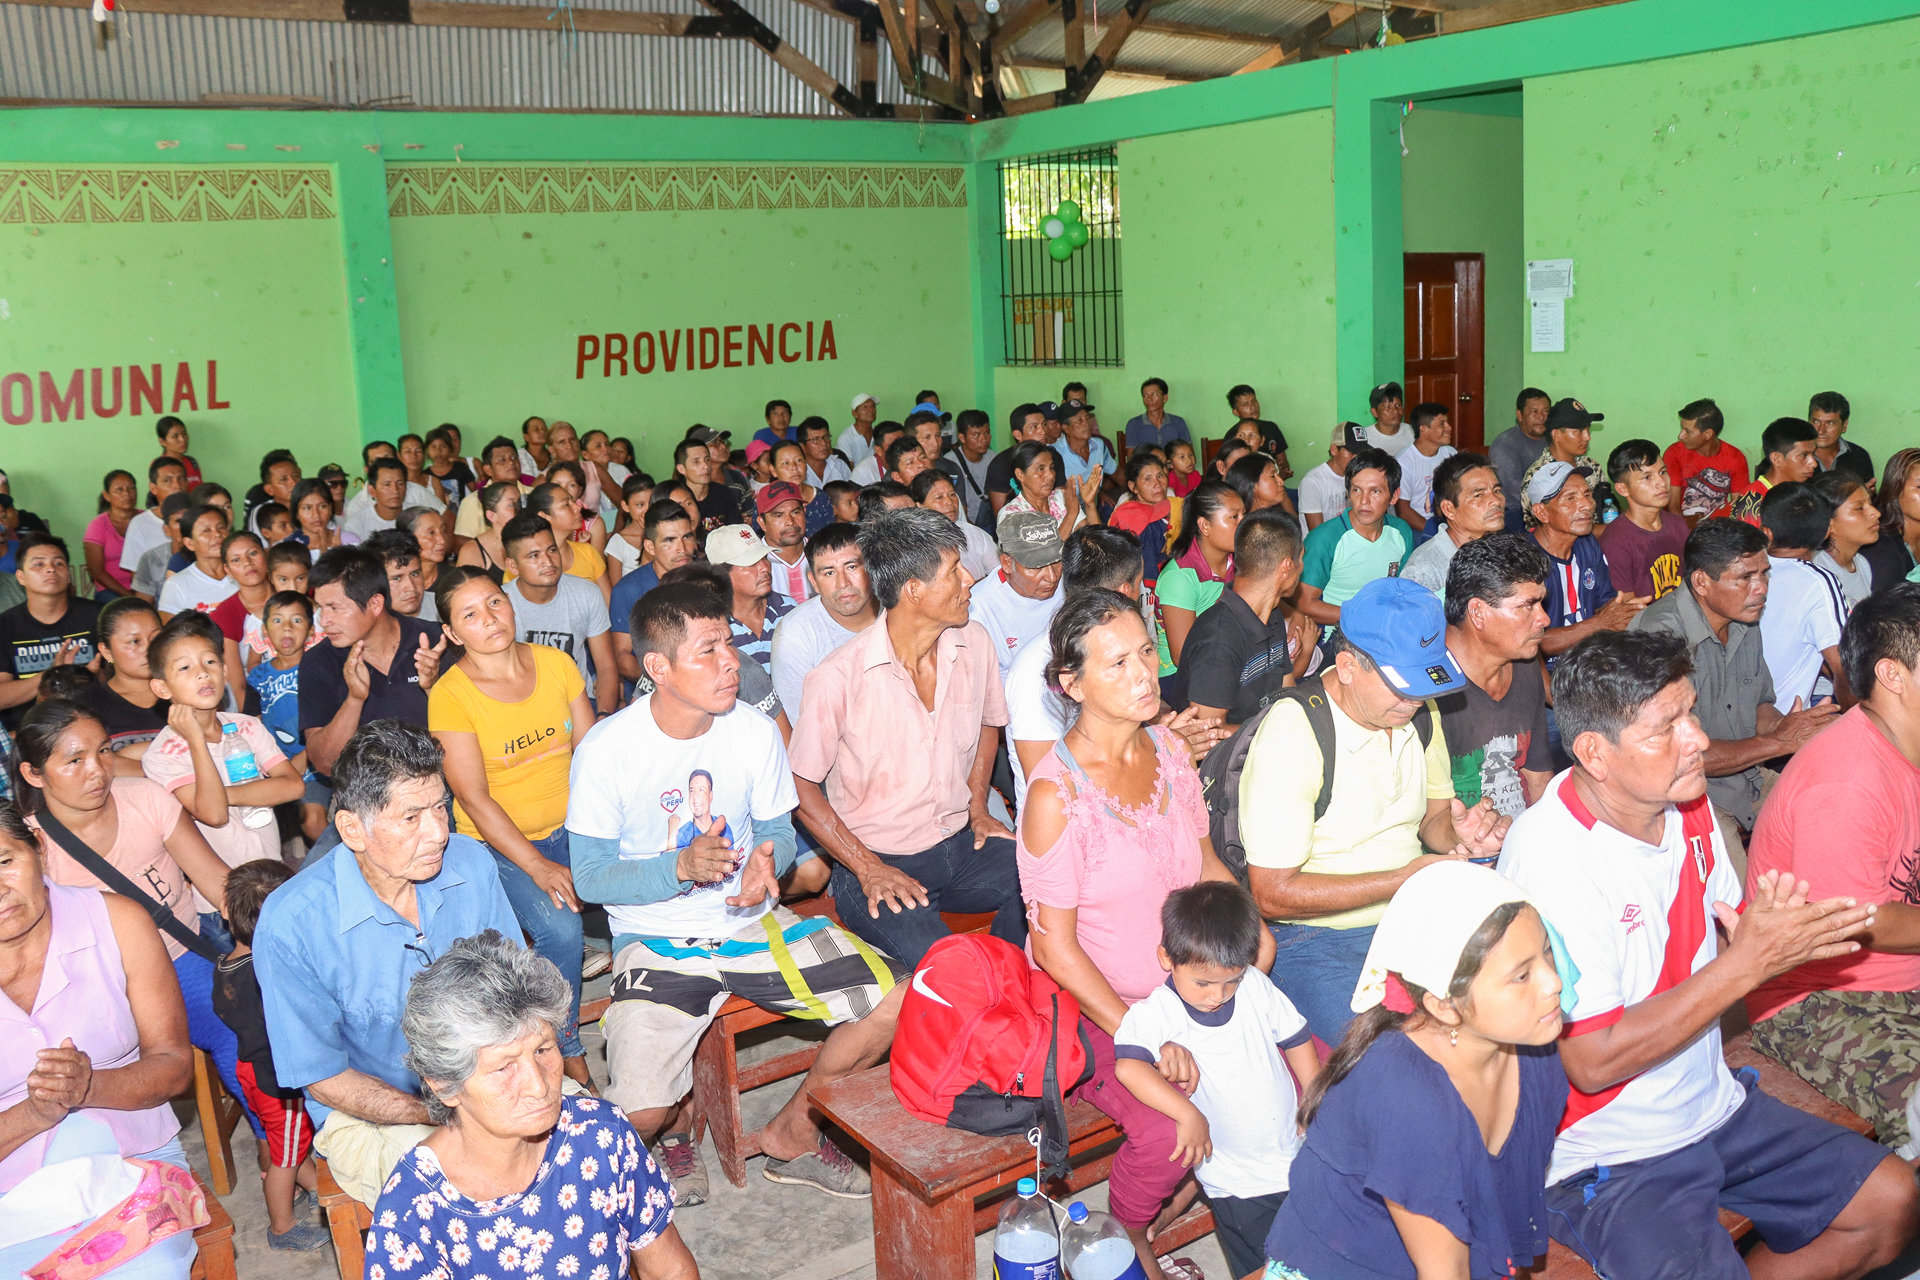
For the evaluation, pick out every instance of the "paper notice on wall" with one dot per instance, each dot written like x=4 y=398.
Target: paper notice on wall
x=1550 y=325
x=1549 y=279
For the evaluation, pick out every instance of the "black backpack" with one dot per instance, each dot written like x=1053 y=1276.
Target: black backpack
x=1220 y=772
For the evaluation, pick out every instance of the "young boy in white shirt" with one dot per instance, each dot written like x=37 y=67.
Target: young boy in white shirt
x=1237 y=1131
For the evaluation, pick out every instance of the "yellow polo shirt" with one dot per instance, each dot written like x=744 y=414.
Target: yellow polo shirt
x=1381 y=785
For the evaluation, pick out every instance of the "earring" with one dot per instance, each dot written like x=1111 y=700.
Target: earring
x=1453 y=1036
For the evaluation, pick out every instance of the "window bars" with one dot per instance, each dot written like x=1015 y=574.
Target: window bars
x=1060 y=312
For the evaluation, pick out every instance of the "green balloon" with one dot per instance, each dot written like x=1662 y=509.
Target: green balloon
x=1060 y=250
x=1077 y=234
x=1068 y=211
x=1053 y=228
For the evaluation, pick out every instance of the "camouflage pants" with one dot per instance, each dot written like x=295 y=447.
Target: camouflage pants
x=1860 y=1048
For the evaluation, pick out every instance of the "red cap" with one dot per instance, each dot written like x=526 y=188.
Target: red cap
x=772 y=495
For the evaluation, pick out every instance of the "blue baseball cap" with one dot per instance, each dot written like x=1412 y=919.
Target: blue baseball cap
x=1401 y=626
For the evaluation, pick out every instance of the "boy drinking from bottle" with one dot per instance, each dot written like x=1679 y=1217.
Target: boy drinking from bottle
x=225 y=770
x=1237 y=1131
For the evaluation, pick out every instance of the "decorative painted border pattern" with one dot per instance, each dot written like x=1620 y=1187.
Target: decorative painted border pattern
x=434 y=190
x=171 y=193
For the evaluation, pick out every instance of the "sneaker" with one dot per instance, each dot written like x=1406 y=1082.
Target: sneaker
x=301 y=1237
x=595 y=963
x=826 y=1168
x=679 y=1155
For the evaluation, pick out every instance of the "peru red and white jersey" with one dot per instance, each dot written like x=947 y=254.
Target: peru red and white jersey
x=1637 y=919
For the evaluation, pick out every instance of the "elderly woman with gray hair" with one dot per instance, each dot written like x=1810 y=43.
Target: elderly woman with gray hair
x=567 y=1173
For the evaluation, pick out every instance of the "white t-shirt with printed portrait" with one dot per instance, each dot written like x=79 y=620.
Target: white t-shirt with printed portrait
x=632 y=783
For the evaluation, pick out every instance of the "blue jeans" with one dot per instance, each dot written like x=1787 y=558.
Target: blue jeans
x=1317 y=969
x=554 y=931
x=957 y=877
x=206 y=1031
x=213 y=927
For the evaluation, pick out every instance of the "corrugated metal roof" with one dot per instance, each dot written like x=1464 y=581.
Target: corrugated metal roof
x=50 y=53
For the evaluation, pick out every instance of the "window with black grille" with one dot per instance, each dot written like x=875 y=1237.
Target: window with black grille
x=1060 y=310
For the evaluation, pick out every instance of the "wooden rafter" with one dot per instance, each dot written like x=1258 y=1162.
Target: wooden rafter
x=1123 y=70
x=1073 y=18
x=1107 y=52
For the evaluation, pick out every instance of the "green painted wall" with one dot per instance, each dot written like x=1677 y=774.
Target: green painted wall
x=1742 y=226
x=493 y=304
x=1461 y=192
x=1230 y=274
x=110 y=269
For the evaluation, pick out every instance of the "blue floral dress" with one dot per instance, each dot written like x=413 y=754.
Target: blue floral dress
x=597 y=1196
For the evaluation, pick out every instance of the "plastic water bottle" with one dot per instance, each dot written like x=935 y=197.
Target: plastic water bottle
x=236 y=757
x=1095 y=1247
x=1025 y=1245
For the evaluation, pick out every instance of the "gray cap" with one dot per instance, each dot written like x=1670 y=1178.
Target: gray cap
x=1551 y=478
x=1032 y=539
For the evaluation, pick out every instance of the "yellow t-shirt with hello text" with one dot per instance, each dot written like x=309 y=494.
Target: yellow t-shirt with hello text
x=527 y=745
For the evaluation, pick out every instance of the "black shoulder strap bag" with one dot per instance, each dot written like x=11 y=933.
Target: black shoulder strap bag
x=112 y=877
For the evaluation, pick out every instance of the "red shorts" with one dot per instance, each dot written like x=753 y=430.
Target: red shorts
x=289 y=1134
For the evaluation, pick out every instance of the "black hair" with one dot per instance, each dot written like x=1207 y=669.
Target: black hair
x=451 y=579
x=1715 y=544
x=775 y=404
x=1527 y=394
x=65 y=681
x=920 y=417
x=1602 y=682
x=192 y=516
x=1264 y=539
x=873 y=498
x=905 y=546
x=366 y=453
x=188 y=624
x=659 y=620
x=810 y=425
x=1021 y=412
x=1893 y=479
x=378 y=757
x=240 y=535
x=638 y=482
x=1244 y=475
x=925 y=394
x=1099 y=556
x=1705 y=415
x=543 y=498
x=899 y=449
x=1384 y=392
x=1629 y=456
x=38 y=734
x=1207 y=501
x=393 y=546
x=166 y=424
x=1797 y=516
x=360 y=573
x=1237 y=390
x=1425 y=412
x=1066 y=392
x=1829 y=402
x=1162 y=384
x=883 y=430
x=1449 y=475
x=708 y=577
x=1077 y=615
x=831 y=537
x=247 y=888
x=574 y=469
x=1211 y=922
x=1229 y=452
x=1781 y=435
x=267 y=512
x=969 y=419
x=306 y=489
x=28 y=541
x=108 y=620
x=1368 y=1027
x=525 y=527
x=106 y=483
x=285 y=600
x=1497 y=564
x=289 y=552
x=272 y=459
x=491 y=495
x=1836 y=486
x=1027 y=452
x=1138 y=460
x=922 y=485
x=662 y=511
x=1372 y=459
x=499 y=442
x=1884 y=625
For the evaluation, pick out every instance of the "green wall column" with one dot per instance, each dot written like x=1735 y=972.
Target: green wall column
x=1367 y=262
x=989 y=317
x=373 y=309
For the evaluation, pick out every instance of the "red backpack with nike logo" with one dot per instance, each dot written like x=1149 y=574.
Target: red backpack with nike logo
x=989 y=1044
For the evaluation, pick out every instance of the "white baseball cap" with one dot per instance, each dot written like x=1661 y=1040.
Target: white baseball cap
x=862 y=398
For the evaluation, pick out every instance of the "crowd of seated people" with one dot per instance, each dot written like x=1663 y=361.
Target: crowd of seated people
x=1533 y=770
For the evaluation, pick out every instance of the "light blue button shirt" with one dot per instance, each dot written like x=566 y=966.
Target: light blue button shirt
x=334 y=962
x=1097 y=456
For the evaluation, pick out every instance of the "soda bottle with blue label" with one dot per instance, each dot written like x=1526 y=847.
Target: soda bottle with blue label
x=1026 y=1246
x=1096 y=1247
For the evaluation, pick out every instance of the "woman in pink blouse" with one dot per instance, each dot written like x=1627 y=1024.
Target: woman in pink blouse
x=106 y=534
x=1114 y=822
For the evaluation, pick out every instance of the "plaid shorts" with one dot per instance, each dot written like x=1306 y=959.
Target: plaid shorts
x=1860 y=1048
x=667 y=990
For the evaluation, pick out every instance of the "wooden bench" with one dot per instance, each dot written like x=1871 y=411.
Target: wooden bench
x=215 y=1259
x=927 y=1178
x=219 y=1112
x=347 y=1221
x=1780 y=1082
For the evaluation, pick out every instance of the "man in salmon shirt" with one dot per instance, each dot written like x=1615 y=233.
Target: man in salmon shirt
x=1845 y=816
